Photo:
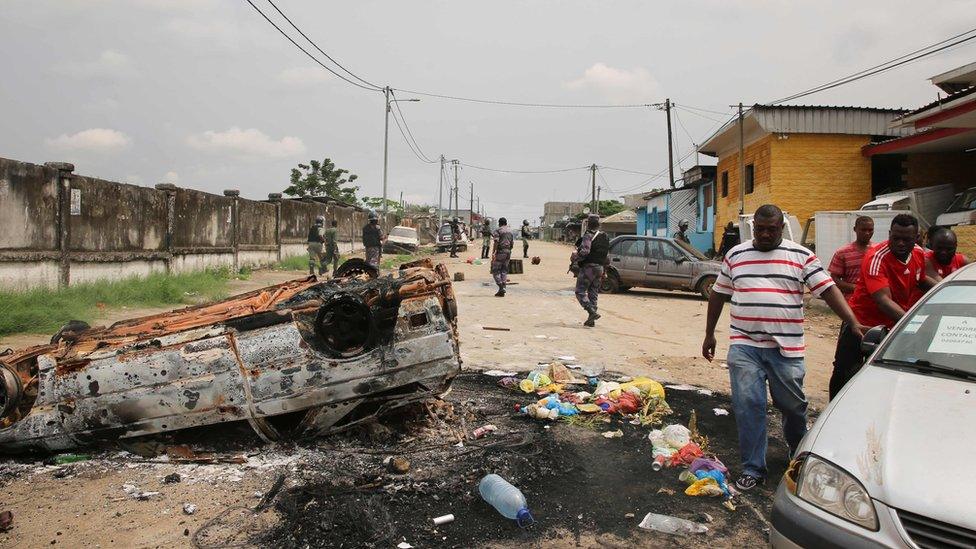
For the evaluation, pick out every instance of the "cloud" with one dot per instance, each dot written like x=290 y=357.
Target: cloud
x=303 y=76
x=170 y=177
x=108 y=64
x=618 y=85
x=101 y=140
x=216 y=34
x=245 y=144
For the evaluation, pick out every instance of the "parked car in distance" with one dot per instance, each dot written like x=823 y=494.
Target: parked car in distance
x=443 y=243
x=402 y=239
x=866 y=474
x=962 y=209
x=658 y=262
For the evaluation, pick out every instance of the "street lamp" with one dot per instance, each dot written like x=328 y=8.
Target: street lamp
x=386 y=142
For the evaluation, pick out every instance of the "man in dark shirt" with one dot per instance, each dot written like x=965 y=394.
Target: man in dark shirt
x=525 y=238
x=373 y=240
x=590 y=258
x=504 y=239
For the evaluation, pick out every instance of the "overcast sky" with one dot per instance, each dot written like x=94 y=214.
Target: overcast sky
x=207 y=95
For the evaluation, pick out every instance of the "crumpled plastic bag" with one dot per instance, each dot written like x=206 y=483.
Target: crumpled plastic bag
x=539 y=378
x=508 y=382
x=708 y=464
x=658 y=446
x=559 y=373
x=588 y=408
x=647 y=387
x=628 y=403
x=527 y=386
x=677 y=436
x=705 y=487
x=553 y=403
x=604 y=388
x=686 y=454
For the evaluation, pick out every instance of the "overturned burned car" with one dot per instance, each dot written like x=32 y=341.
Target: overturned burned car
x=302 y=358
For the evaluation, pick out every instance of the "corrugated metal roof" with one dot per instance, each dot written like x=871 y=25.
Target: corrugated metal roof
x=816 y=119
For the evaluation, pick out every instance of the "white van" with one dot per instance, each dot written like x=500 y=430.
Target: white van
x=925 y=203
x=961 y=211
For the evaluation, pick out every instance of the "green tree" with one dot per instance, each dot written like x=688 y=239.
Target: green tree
x=322 y=179
x=376 y=204
x=607 y=208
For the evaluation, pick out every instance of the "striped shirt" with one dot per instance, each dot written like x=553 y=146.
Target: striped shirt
x=767 y=294
x=846 y=263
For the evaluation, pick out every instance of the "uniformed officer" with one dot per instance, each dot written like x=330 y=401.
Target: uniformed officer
x=504 y=240
x=316 y=242
x=455 y=234
x=682 y=233
x=485 y=239
x=590 y=258
x=331 y=246
x=373 y=240
x=525 y=238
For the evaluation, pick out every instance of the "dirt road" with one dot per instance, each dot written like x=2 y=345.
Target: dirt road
x=652 y=333
x=655 y=333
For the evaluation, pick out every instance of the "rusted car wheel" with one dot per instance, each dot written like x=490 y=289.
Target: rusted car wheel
x=705 y=286
x=356 y=266
x=610 y=284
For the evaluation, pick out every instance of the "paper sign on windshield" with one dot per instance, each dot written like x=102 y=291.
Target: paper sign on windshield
x=956 y=335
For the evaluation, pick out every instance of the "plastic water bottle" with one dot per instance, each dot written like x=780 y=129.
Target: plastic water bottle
x=506 y=499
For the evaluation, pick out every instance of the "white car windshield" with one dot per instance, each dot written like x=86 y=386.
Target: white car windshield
x=939 y=333
x=404 y=232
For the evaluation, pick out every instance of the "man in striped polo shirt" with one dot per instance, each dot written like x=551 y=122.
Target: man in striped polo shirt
x=765 y=279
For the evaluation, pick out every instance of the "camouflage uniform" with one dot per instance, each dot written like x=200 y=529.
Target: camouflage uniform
x=504 y=239
x=316 y=241
x=525 y=241
x=590 y=275
x=373 y=242
x=485 y=241
x=331 y=250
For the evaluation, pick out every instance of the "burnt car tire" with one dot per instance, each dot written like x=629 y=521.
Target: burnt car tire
x=610 y=284
x=705 y=286
x=356 y=266
x=345 y=325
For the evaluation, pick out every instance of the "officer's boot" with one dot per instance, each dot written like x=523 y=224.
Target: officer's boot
x=591 y=319
x=500 y=292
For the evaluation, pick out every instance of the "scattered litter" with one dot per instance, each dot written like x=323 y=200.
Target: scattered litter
x=613 y=434
x=62 y=459
x=404 y=545
x=6 y=520
x=540 y=336
x=484 y=430
x=706 y=392
x=443 y=520
x=665 y=490
x=682 y=387
x=496 y=329
x=671 y=525
x=499 y=373
x=506 y=499
x=189 y=508
x=397 y=464
x=566 y=358
x=172 y=478
x=135 y=493
x=720 y=411
x=728 y=505
x=629 y=515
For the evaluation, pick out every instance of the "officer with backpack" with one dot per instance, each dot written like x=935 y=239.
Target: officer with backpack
x=590 y=258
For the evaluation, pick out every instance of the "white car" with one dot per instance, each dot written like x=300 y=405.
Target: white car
x=402 y=239
x=889 y=462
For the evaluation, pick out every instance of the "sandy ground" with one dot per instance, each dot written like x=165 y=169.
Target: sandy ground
x=648 y=332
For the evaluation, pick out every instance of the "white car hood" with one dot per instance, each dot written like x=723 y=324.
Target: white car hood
x=909 y=438
x=402 y=239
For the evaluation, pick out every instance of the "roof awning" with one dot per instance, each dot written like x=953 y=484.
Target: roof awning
x=936 y=140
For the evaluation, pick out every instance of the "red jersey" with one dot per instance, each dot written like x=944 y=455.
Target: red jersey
x=846 y=263
x=881 y=269
x=957 y=262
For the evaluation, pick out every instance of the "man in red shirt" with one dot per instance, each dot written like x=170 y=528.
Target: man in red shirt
x=942 y=258
x=845 y=266
x=892 y=278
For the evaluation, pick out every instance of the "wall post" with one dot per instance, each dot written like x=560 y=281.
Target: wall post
x=170 y=190
x=275 y=198
x=235 y=222
x=63 y=220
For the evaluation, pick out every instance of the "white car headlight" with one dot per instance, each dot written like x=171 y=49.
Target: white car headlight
x=832 y=489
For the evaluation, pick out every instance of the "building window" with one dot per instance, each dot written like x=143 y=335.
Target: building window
x=725 y=184
x=750 y=178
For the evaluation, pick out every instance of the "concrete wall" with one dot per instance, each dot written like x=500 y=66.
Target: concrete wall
x=58 y=228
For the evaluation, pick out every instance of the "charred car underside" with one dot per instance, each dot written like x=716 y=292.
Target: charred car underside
x=302 y=358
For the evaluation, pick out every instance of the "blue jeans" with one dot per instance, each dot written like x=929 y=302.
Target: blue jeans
x=749 y=370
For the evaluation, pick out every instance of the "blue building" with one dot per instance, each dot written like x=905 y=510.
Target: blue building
x=694 y=200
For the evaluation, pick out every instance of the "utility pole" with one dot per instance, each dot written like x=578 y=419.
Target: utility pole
x=471 y=207
x=599 y=190
x=456 y=204
x=742 y=164
x=667 y=111
x=401 y=201
x=594 y=208
x=440 y=196
x=386 y=143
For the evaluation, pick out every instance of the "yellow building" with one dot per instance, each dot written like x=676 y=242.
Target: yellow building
x=803 y=159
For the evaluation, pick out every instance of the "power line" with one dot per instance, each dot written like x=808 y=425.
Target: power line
x=419 y=154
x=886 y=66
x=523 y=171
x=329 y=57
x=527 y=104
x=423 y=156
x=699 y=109
x=306 y=52
x=623 y=170
x=699 y=114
